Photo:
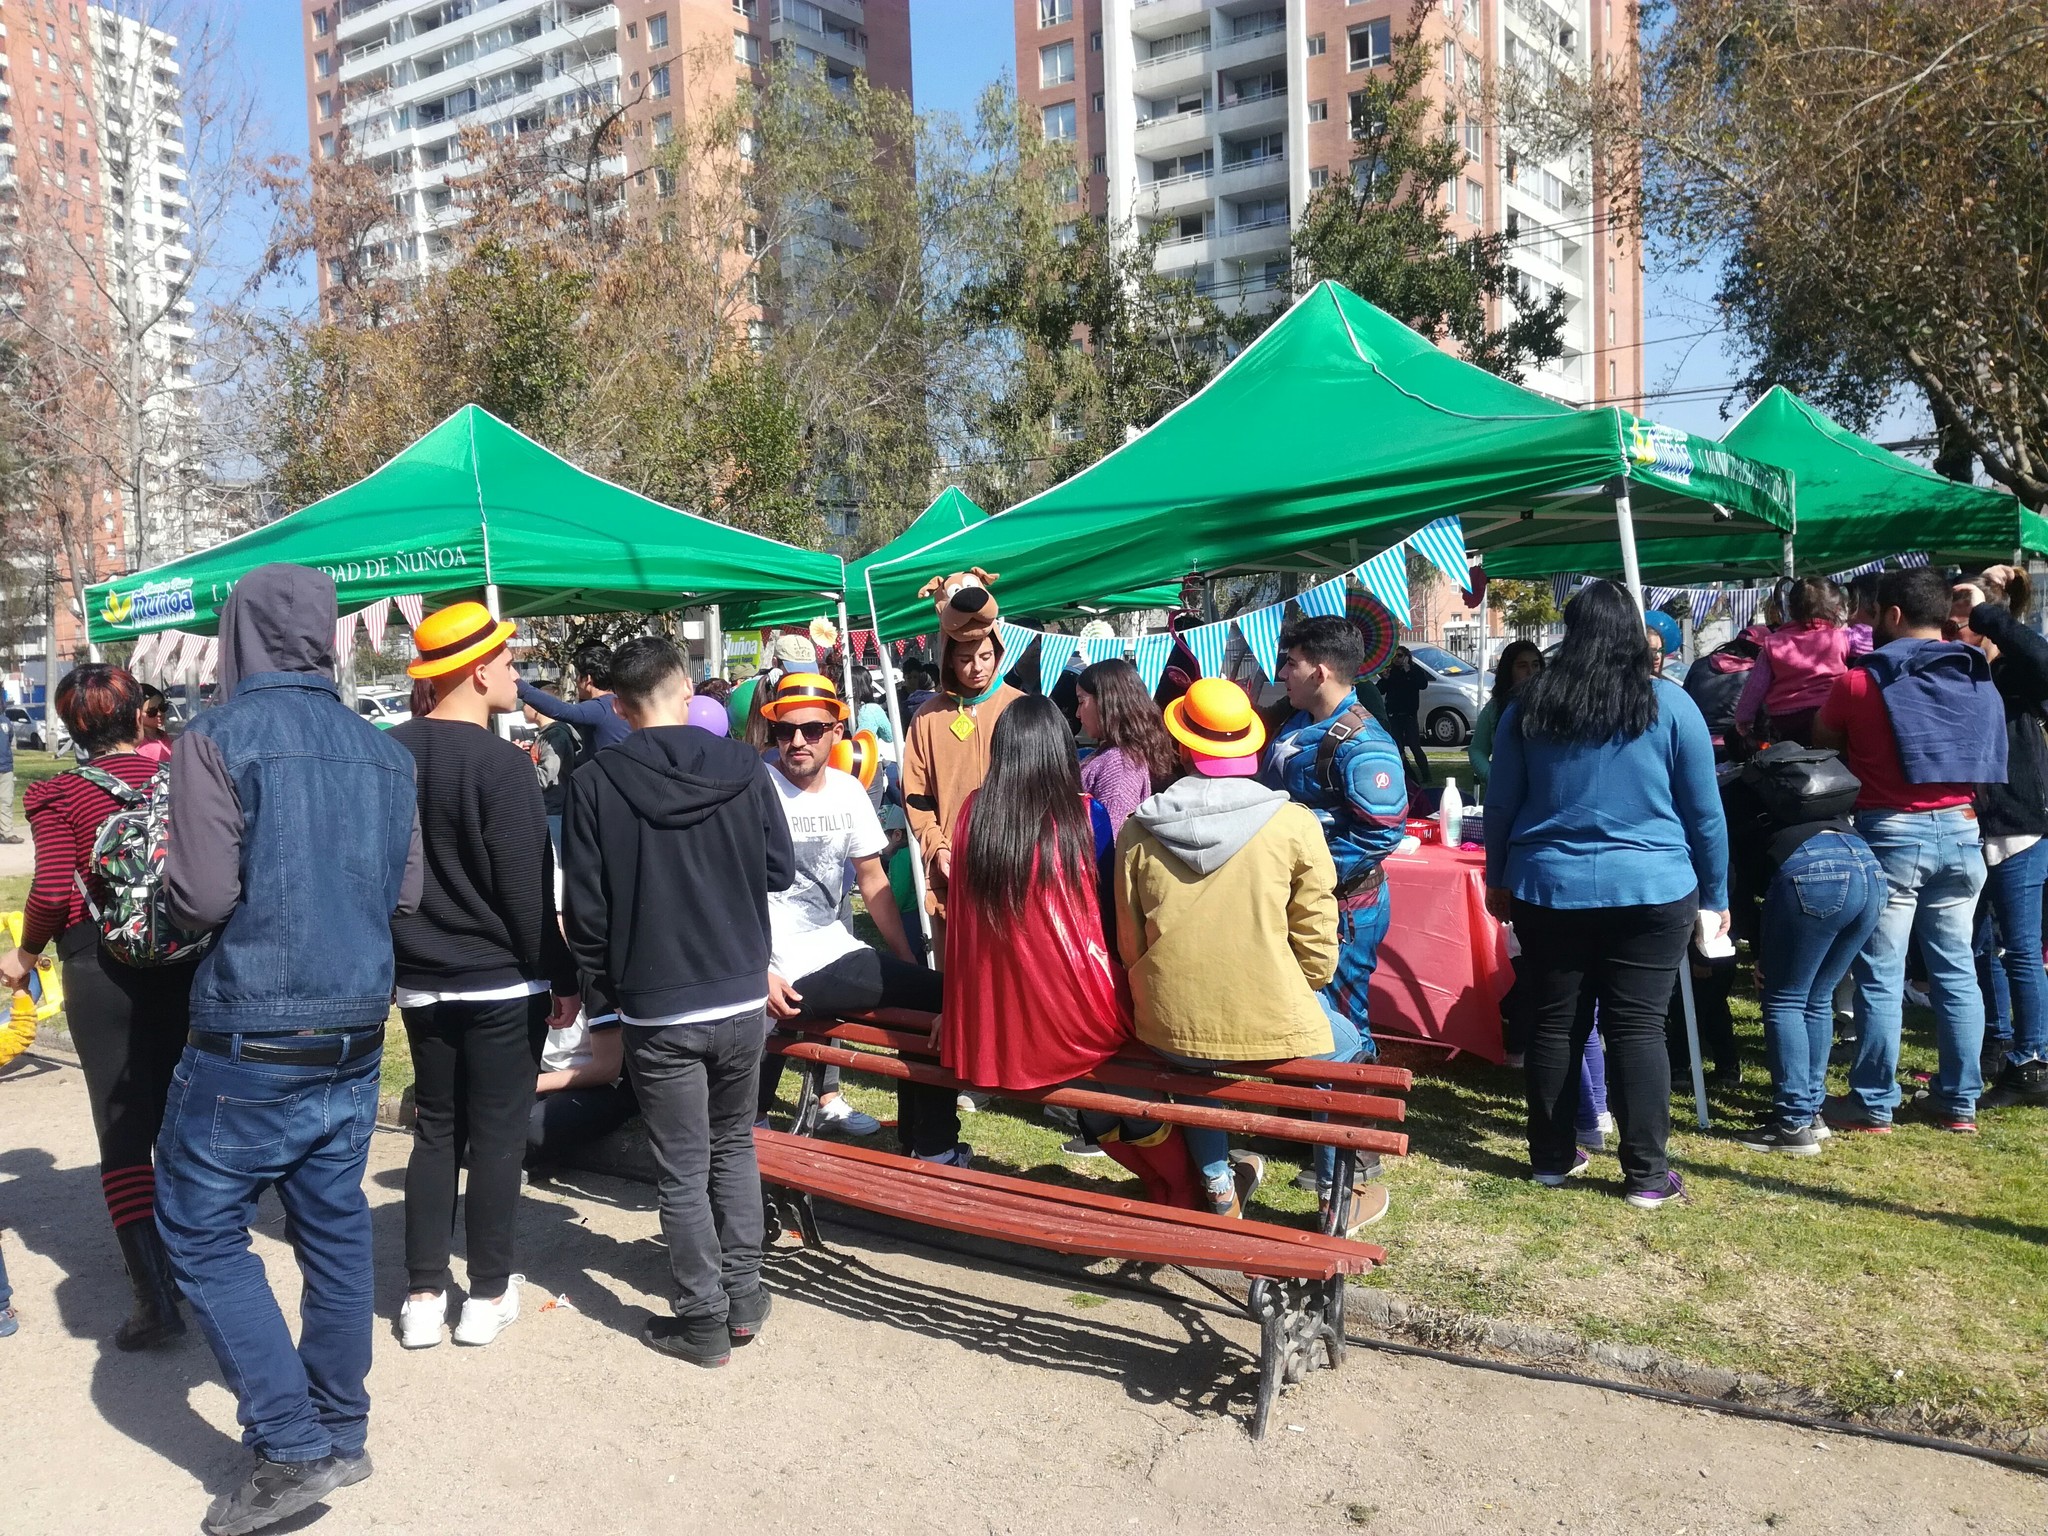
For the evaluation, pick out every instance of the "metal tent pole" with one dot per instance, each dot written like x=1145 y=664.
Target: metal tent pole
x=714 y=641
x=895 y=706
x=1692 y=1037
x=846 y=657
x=1625 y=527
x=1785 y=546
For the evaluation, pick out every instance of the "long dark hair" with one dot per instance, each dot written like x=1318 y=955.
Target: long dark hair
x=1599 y=687
x=1028 y=821
x=1504 y=669
x=1131 y=722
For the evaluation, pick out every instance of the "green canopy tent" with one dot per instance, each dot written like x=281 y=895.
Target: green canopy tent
x=1333 y=436
x=951 y=510
x=476 y=508
x=1858 y=502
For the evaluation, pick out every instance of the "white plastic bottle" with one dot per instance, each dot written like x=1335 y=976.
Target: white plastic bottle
x=1450 y=814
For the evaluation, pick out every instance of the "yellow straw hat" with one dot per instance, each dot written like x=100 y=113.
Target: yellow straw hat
x=455 y=637
x=1215 y=720
x=805 y=690
x=859 y=754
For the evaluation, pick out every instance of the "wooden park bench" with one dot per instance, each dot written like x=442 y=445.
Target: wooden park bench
x=1297 y=1277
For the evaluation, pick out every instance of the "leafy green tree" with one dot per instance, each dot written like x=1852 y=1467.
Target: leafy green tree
x=1382 y=229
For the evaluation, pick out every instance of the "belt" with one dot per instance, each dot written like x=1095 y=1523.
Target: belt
x=1361 y=885
x=310 y=1048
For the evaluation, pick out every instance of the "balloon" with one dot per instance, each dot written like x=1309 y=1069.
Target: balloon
x=707 y=714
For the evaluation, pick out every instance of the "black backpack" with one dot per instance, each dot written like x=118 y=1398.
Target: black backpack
x=1800 y=784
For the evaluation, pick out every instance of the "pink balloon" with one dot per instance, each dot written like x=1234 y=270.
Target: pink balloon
x=707 y=714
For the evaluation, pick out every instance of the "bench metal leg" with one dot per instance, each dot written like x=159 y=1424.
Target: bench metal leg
x=1342 y=1195
x=789 y=1210
x=805 y=1121
x=1296 y=1321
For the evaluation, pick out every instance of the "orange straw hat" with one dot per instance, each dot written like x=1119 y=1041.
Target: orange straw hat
x=805 y=690
x=455 y=637
x=1215 y=720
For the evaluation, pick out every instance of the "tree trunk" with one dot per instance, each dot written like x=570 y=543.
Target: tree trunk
x=1953 y=457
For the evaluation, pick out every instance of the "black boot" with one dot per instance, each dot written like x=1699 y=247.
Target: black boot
x=2019 y=1083
x=156 y=1319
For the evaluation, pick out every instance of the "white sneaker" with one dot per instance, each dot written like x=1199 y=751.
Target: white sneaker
x=842 y=1116
x=421 y=1320
x=483 y=1321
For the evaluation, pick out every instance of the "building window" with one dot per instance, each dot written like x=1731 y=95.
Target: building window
x=665 y=129
x=1371 y=44
x=1450 y=62
x=1095 y=42
x=1472 y=16
x=1051 y=13
x=1099 y=165
x=1475 y=144
x=326 y=105
x=1612 y=387
x=326 y=146
x=664 y=181
x=746 y=8
x=1471 y=71
x=320 y=23
x=1059 y=122
x=1610 y=327
x=1317 y=47
x=657 y=77
x=1610 y=274
x=1475 y=202
x=749 y=144
x=1318 y=111
x=746 y=47
x=323 y=63
x=1095 y=105
x=1056 y=64
x=657 y=30
x=1318 y=177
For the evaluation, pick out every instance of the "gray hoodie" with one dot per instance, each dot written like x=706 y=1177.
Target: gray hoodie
x=279 y=618
x=1202 y=822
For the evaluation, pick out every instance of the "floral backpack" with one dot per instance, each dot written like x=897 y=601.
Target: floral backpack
x=127 y=863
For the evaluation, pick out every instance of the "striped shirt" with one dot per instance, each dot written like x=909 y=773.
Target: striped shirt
x=65 y=814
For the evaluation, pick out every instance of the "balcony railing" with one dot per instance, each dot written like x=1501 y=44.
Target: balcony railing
x=1174 y=181
x=1178 y=53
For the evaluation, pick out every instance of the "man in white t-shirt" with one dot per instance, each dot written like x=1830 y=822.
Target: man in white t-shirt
x=819 y=967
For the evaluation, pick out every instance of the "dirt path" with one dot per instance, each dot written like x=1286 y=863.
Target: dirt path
x=893 y=1392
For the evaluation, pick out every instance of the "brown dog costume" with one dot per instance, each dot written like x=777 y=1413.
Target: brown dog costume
x=967 y=609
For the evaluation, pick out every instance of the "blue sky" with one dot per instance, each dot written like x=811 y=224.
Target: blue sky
x=957 y=47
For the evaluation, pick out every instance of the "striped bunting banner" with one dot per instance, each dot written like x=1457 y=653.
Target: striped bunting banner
x=1209 y=642
x=1326 y=599
x=1149 y=655
x=1704 y=600
x=344 y=639
x=1054 y=652
x=1742 y=603
x=207 y=662
x=1385 y=576
x=1102 y=648
x=1261 y=631
x=1913 y=561
x=140 y=659
x=1015 y=640
x=1657 y=597
x=1861 y=570
x=1442 y=543
x=1562 y=587
x=375 y=617
x=414 y=607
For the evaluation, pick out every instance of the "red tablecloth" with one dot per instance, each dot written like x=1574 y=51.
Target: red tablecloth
x=1443 y=966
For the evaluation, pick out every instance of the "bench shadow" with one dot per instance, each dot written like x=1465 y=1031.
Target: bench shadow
x=1204 y=1374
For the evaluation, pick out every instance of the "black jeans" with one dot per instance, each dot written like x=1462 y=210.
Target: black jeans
x=927 y=1118
x=474 y=1066
x=1629 y=957
x=696 y=1085
x=561 y=1122
x=1407 y=733
x=128 y=1025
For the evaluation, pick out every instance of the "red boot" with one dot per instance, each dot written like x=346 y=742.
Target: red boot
x=1161 y=1162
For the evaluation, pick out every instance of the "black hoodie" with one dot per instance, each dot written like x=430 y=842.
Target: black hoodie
x=673 y=841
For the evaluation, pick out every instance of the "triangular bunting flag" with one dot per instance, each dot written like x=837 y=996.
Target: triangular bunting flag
x=1015 y=640
x=143 y=657
x=1703 y=601
x=1261 y=631
x=1912 y=561
x=1326 y=599
x=1657 y=597
x=1209 y=642
x=1562 y=587
x=414 y=608
x=1054 y=652
x=209 y=657
x=1742 y=603
x=1150 y=655
x=1096 y=648
x=170 y=643
x=902 y=646
x=1385 y=576
x=375 y=617
x=1442 y=543
x=344 y=639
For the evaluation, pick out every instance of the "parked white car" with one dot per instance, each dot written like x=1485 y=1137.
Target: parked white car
x=383 y=708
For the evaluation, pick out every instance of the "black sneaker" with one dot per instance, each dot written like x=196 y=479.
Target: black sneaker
x=744 y=1315
x=2018 y=1083
x=354 y=1469
x=1773 y=1135
x=699 y=1340
x=276 y=1490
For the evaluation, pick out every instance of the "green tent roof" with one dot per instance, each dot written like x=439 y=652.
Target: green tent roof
x=1857 y=503
x=1335 y=435
x=951 y=510
x=475 y=502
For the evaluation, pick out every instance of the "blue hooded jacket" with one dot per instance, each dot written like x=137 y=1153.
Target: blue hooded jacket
x=1944 y=709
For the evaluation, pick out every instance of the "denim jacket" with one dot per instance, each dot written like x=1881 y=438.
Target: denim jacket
x=293 y=825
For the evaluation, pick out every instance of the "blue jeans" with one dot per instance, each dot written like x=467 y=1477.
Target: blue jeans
x=2009 y=955
x=1210 y=1149
x=1361 y=924
x=231 y=1129
x=1933 y=864
x=1817 y=916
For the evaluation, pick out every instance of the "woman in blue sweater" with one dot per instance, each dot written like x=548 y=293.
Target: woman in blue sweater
x=1604 y=839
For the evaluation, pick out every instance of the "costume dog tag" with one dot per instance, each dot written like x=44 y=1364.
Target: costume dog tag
x=963 y=726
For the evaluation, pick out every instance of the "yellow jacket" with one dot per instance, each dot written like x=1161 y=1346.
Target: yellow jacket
x=1227 y=921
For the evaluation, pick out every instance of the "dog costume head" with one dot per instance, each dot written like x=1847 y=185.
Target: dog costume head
x=967 y=609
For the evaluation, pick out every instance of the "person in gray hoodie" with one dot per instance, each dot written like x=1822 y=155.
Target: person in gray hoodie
x=292 y=832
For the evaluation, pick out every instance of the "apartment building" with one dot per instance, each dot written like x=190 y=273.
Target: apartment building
x=96 y=222
x=1221 y=118
x=396 y=82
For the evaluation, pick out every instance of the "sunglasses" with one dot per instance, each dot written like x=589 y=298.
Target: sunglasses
x=813 y=731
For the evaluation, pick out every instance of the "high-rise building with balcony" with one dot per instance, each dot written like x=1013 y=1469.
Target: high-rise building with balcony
x=1221 y=118
x=395 y=82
